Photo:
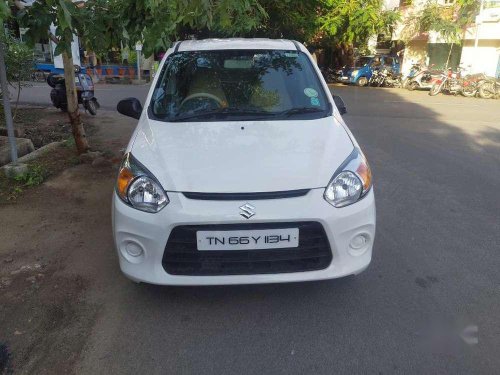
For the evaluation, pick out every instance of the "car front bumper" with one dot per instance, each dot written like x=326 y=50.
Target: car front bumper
x=140 y=232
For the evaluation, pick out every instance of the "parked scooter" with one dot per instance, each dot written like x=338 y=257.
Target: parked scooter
x=415 y=68
x=84 y=88
x=423 y=79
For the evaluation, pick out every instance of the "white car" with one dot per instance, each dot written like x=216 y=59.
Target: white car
x=241 y=170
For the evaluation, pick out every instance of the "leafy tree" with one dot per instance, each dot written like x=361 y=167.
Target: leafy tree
x=325 y=21
x=355 y=21
x=66 y=17
x=159 y=22
x=18 y=61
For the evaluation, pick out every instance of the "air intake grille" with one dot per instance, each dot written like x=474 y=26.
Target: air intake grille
x=181 y=256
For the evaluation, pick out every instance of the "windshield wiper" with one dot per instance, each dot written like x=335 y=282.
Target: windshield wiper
x=222 y=111
x=299 y=111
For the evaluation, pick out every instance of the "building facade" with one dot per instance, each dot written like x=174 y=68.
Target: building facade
x=477 y=52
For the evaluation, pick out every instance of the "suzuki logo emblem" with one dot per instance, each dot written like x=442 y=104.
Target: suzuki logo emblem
x=247 y=211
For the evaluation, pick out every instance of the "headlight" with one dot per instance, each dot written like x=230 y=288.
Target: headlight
x=355 y=73
x=351 y=181
x=137 y=187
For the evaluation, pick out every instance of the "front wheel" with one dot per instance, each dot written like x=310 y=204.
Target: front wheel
x=91 y=106
x=469 y=91
x=486 y=90
x=362 y=82
x=412 y=86
x=435 y=89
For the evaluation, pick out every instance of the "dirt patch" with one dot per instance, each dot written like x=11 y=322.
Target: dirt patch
x=55 y=245
x=37 y=305
x=45 y=314
x=46 y=125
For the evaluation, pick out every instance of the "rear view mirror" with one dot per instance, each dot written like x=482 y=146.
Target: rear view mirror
x=340 y=104
x=130 y=107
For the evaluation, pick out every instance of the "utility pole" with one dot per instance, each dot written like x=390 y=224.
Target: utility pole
x=138 y=50
x=6 y=103
x=478 y=23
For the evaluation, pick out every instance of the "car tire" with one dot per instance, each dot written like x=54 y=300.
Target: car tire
x=362 y=81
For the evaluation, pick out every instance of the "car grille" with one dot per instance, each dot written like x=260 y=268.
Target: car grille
x=181 y=256
x=247 y=196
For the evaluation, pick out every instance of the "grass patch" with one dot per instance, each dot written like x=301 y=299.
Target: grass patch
x=47 y=165
x=35 y=175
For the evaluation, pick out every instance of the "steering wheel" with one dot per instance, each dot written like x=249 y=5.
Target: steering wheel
x=219 y=102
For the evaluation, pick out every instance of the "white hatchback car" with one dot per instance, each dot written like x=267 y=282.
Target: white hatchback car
x=241 y=170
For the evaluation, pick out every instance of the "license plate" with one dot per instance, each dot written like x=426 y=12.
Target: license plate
x=344 y=77
x=248 y=239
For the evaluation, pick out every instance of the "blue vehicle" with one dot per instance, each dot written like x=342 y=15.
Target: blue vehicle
x=363 y=68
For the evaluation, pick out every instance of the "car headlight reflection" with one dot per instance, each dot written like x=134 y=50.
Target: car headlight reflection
x=137 y=187
x=351 y=181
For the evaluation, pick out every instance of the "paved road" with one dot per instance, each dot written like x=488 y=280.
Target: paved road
x=108 y=95
x=435 y=269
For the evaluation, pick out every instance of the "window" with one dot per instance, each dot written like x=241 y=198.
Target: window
x=259 y=84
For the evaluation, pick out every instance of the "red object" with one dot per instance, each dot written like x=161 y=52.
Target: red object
x=131 y=72
x=109 y=71
x=121 y=71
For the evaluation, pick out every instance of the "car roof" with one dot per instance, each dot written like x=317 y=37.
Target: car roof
x=235 y=43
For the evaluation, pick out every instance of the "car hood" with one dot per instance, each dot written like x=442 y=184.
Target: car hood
x=241 y=156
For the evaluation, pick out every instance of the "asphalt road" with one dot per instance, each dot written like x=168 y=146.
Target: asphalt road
x=108 y=95
x=435 y=269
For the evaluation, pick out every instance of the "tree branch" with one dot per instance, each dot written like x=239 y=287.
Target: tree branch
x=53 y=38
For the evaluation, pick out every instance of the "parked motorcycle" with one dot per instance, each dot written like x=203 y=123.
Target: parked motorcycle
x=489 y=88
x=392 y=79
x=376 y=79
x=84 y=89
x=330 y=75
x=449 y=82
x=470 y=84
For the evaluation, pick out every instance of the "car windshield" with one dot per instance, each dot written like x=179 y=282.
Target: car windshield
x=362 y=61
x=238 y=85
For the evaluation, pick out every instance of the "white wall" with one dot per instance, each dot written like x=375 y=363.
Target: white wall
x=481 y=59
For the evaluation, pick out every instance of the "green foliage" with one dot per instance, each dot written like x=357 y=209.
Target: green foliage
x=449 y=21
x=70 y=143
x=4 y=10
x=106 y=24
x=35 y=175
x=354 y=21
x=18 y=59
x=159 y=22
x=39 y=17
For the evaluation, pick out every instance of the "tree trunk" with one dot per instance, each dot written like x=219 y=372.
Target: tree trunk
x=449 y=56
x=73 y=112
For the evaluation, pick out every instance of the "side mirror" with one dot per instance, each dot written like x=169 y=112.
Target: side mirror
x=130 y=107
x=340 y=104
